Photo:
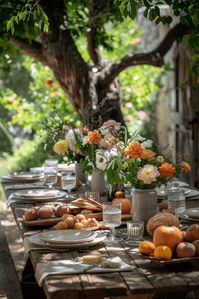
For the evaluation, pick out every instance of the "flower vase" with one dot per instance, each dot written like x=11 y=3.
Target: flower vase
x=80 y=175
x=144 y=202
x=98 y=182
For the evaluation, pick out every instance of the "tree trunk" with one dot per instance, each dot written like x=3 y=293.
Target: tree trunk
x=91 y=102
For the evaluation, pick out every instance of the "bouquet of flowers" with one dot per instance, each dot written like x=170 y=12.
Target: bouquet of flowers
x=138 y=163
x=82 y=145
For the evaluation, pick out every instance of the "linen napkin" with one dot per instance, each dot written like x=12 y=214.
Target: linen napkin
x=44 y=269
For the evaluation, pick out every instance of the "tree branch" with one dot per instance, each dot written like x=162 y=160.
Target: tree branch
x=33 y=49
x=155 y=57
x=92 y=30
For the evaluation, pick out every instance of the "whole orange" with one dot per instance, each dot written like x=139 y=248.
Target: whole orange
x=163 y=253
x=167 y=235
x=146 y=247
x=125 y=204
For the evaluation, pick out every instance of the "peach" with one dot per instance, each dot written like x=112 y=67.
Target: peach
x=192 y=233
x=185 y=249
x=196 y=244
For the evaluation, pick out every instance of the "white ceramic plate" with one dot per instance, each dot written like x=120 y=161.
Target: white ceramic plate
x=68 y=236
x=39 y=194
x=22 y=178
x=35 y=239
x=189 y=219
x=193 y=213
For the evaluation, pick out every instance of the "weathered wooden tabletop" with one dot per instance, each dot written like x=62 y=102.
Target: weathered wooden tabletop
x=144 y=281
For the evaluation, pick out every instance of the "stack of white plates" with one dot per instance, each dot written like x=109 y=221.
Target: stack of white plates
x=191 y=215
x=23 y=177
x=66 y=238
x=39 y=194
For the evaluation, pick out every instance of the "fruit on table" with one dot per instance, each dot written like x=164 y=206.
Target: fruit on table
x=163 y=205
x=146 y=247
x=125 y=204
x=167 y=235
x=185 y=249
x=192 y=233
x=119 y=194
x=196 y=244
x=163 y=252
x=161 y=219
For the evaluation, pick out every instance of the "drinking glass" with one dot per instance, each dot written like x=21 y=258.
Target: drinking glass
x=135 y=231
x=112 y=218
x=176 y=200
x=92 y=195
x=68 y=181
x=50 y=175
x=50 y=172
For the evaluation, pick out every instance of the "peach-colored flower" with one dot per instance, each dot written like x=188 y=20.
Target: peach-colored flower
x=94 y=137
x=167 y=170
x=148 y=154
x=185 y=166
x=148 y=174
x=134 y=150
x=112 y=124
x=104 y=143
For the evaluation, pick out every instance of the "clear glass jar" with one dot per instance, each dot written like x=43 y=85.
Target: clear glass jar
x=176 y=200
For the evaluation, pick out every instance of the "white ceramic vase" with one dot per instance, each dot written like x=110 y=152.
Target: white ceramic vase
x=144 y=202
x=98 y=183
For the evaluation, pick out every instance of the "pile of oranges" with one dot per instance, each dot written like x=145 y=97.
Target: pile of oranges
x=170 y=241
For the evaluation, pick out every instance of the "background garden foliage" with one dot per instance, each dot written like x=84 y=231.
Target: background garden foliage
x=34 y=107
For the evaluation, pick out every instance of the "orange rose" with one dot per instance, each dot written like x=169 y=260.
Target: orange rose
x=134 y=150
x=148 y=154
x=167 y=170
x=185 y=167
x=94 y=137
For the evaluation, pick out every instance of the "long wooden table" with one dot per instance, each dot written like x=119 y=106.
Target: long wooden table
x=144 y=281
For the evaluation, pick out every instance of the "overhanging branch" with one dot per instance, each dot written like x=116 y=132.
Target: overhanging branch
x=154 y=58
x=92 y=31
x=33 y=48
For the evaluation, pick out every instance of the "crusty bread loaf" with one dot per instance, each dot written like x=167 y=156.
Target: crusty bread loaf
x=92 y=259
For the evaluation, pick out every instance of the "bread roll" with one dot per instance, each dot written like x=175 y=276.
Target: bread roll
x=62 y=209
x=61 y=225
x=31 y=214
x=46 y=212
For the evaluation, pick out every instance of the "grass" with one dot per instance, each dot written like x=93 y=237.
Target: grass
x=3 y=166
x=2 y=194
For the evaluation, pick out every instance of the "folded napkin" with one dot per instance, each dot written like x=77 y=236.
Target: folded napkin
x=44 y=269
